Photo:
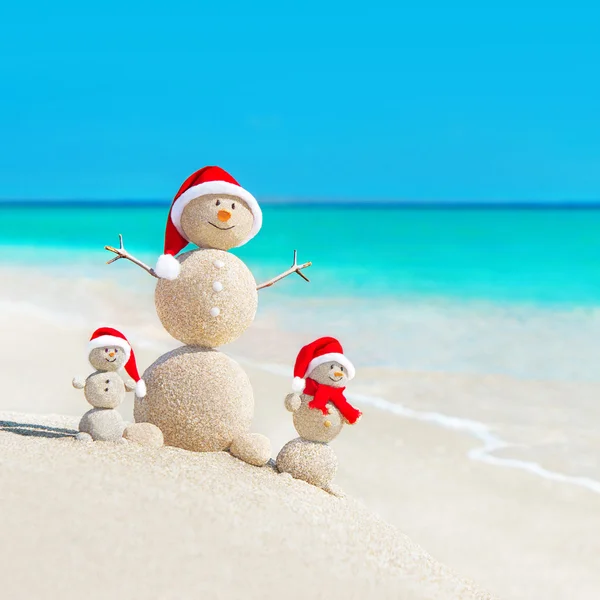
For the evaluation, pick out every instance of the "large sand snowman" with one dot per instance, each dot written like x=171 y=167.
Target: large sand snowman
x=200 y=398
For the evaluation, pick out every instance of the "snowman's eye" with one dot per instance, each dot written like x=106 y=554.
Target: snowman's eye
x=105 y=349
x=116 y=350
x=333 y=366
x=341 y=369
x=218 y=203
x=233 y=206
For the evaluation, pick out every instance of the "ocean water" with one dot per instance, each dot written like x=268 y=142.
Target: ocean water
x=511 y=291
x=527 y=256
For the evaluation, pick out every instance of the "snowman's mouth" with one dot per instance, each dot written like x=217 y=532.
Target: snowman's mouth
x=221 y=228
x=113 y=360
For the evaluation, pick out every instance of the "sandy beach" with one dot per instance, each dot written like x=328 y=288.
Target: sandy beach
x=174 y=524
x=426 y=472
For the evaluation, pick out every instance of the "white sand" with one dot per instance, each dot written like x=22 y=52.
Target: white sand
x=105 y=520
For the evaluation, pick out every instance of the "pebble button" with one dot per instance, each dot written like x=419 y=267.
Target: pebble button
x=219 y=264
x=217 y=286
x=215 y=312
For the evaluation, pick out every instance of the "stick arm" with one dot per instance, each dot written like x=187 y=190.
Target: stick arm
x=122 y=253
x=295 y=268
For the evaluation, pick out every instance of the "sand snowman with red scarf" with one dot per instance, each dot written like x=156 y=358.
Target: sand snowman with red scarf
x=320 y=411
x=200 y=398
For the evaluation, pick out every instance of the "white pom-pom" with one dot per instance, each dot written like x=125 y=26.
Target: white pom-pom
x=298 y=385
x=167 y=267
x=140 y=388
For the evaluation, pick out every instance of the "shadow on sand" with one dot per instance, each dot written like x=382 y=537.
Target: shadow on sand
x=36 y=430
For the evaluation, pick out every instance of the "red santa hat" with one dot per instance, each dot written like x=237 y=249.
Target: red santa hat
x=208 y=180
x=325 y=349
x=109 y=337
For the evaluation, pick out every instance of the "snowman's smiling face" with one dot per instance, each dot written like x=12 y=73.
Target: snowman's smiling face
x=217 y=221
x=330 y=373
x=108 y=358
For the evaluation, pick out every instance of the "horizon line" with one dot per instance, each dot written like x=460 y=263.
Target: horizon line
x=296 y=203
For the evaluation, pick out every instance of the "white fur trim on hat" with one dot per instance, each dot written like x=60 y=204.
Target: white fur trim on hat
x=217 y=187
x=167 y=267
x=110 y=341
x=332 y=357
x=298 y=385
x=140 y=388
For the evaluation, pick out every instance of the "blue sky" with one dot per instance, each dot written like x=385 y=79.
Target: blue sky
x=428 y=101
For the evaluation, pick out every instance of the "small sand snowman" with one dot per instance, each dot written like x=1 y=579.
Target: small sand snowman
x=320 y=411
x=109 y=351
x=200 y=398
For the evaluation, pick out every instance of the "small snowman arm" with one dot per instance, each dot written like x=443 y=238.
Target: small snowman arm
x=292 y=402
x=295 y=268
x=122 y=253
x=130 y=385
x=78 y=383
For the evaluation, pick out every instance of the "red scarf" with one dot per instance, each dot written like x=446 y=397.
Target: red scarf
x=325 y=393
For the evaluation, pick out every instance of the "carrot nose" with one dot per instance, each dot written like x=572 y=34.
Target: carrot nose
x=224 y=215
x=337 y=374
x=111 y=354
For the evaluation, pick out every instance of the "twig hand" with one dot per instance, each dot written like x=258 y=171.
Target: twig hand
x=122 y=253
x=295 y=268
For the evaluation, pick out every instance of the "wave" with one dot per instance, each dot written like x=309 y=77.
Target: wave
x=481 y=431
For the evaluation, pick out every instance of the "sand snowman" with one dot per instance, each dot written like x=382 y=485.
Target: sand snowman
x=320 y=411
x=109 y=352
x=200 y=398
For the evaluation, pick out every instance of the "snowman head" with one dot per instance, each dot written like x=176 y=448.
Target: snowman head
x=108 y=358
x=219 y=221
x=109 y=350
x=212 y=210
x=331 y=373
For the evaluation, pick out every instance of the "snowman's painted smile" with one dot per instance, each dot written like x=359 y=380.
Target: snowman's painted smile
x=111 y=361
x=336 y=380
x=221 y=228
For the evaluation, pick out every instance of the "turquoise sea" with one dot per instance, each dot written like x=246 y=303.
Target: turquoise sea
x=531 y=256
x=497 y=290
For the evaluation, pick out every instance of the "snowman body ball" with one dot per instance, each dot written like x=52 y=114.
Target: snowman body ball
x=104 y=389
x=320 y=412
x=201 y=399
